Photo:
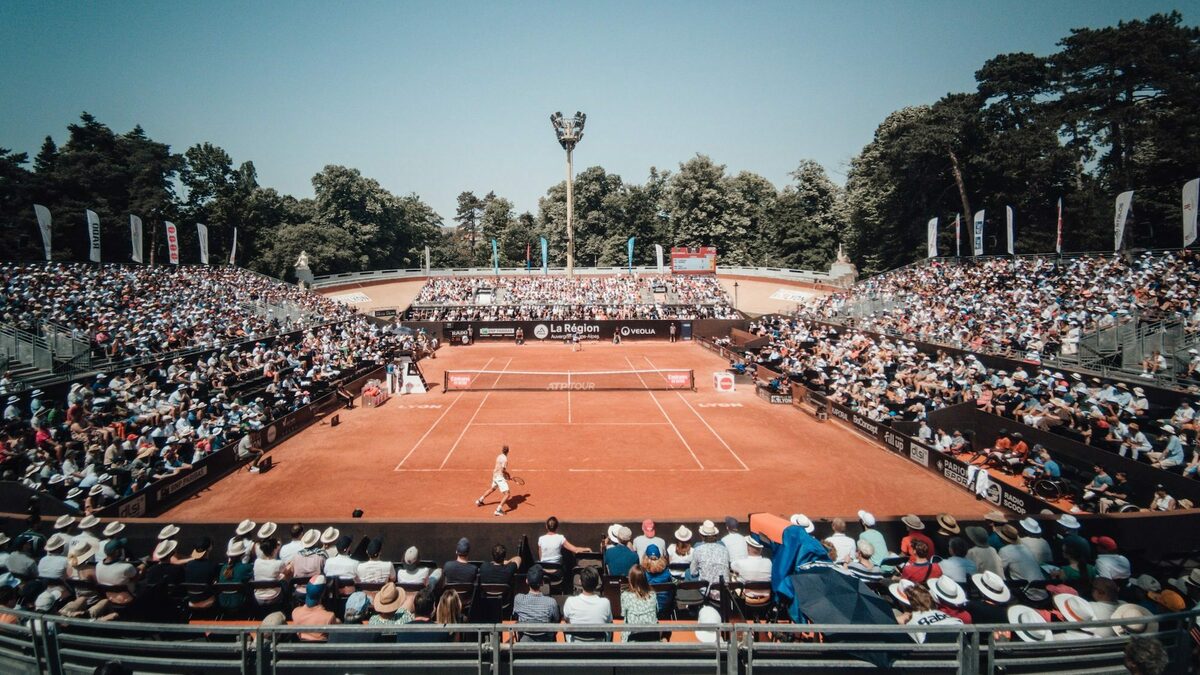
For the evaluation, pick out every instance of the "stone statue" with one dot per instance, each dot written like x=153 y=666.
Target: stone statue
x=841 y=255
x=304 y=275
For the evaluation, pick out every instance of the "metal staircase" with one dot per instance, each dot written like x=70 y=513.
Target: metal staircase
x=46 y=355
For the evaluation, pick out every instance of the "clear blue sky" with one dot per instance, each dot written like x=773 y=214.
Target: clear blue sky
x=436 y=98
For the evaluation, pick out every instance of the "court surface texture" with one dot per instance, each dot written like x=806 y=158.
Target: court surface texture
x=585 y=455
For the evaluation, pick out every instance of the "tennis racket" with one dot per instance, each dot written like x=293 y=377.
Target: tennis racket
x=518 y=480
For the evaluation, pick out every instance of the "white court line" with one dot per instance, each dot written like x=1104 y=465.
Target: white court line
x=525 y=471
x=568 y=398
x=435 y=423
x=697 y=414
x=572 y=424
x=468 y=425
x=665 y=415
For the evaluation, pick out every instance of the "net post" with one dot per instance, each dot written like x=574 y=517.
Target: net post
x=445 y=380
x=692 y=374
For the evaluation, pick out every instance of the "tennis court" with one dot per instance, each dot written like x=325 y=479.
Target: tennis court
x=610 y=432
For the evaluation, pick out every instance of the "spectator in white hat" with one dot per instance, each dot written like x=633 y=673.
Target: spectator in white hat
x=1031 y=531
x=754 y=567
x=681 y=551
x=710 y=561
x=879 y=547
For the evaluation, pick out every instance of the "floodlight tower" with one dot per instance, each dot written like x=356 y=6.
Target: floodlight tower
x=569 y=133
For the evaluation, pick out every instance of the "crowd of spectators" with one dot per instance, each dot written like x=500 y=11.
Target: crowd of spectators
x=1029 y=307
x=132 y=311
x=889 y=380
x=115 y=434
x=1043 y=573
x=540 y=298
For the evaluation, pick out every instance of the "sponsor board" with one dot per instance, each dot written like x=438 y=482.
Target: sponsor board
x=183 y=482
x=356 y=298
x=541 y=332
x=719 y=405
x=503 y=331
x=422 y=406
x=998 y=493
x=459 y=381
x=679 y=379
x=133 y=508
x=571 y=386
x=455 y=331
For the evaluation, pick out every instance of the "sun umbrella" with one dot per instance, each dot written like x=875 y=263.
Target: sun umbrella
x=827 y=596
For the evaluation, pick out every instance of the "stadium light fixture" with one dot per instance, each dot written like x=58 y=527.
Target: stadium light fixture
x=569 y=132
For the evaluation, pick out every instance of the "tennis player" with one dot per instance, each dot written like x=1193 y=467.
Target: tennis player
x=500 y=480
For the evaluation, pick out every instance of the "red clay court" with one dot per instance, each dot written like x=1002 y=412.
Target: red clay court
x=585 y=455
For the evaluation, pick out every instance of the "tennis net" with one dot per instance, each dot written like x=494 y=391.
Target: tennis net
x=602 y=380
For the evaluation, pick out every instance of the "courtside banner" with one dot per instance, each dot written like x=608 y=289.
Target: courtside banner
x=455 y=331
x=1008 y=213
x=997 y=493
x=93 y=222
x=932 y=238
x=233 y=250
x=658 y=256
x=172 y=242
x=978 y=239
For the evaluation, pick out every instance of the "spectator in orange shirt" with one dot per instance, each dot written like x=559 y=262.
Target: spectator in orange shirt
x=312 y=613
x=915 y=534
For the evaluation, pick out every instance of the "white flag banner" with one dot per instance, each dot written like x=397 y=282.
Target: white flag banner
x=202 y=234
x=172 y=242
x=43 y=218
x=957 y=236
x=1124 y=204
x=1008 y=213
x=427 y=260
x=979 y=232
x=233 y=249
x=658 y=254
x=135 y=238
x=93 y=222
x=1058 y=236
x=1191 y=195
x=932 y=243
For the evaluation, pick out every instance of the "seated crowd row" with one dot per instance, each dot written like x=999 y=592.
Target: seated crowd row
x=1039 y=572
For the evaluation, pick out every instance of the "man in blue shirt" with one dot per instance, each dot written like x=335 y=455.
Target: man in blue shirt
x=618 y=556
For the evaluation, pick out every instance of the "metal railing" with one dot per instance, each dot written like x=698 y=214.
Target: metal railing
x=806 y=276
x=55 y=645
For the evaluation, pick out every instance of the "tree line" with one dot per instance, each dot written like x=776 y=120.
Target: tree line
x=1114 y=109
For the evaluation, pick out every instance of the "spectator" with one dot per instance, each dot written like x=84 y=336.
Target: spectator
x=342 y=566
x=920 y=569
x=201 y=569
x=958 y=566
x=389 y=606
x=374 y=570
x=356 y=612
x=872 y=536
x=639 y=606
x=552 y=544
x=843 y=545
x=460 y=570
x=1019 y=562
x=753 y=568
x=655 y=567
x=268 y=567
x=993 y=597
x=312 y=613
x=423 y=615
x=499 y=570
x=295 y=545
x=985 y=558
x=710 y=561
x=309 y=561
x=861 y=567
x=415 y=573
x=680 y=551
x=925 y=613
x=588 y=608
x=915 y=533
x=733 y=541
x=1145 y=656
x=535 y=607
x=234 y=571
x=618 y=556
x=646 y=538
x=449 y=611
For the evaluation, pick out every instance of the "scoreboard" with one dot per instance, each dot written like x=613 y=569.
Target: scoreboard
x=702 y=260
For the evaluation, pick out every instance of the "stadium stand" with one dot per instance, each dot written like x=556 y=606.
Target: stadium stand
x=516 y=298
x=1038 y=307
